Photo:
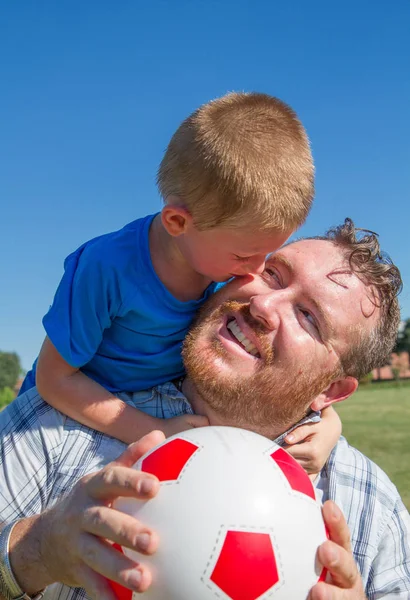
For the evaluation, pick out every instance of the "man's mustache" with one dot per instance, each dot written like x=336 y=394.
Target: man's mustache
x=260 y=331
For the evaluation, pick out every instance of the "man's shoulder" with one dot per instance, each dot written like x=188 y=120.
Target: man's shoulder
x=48 y=445
x=364 y=492
x=378 y=521
x=29 y=412
x=31 y=435
x=356 y=473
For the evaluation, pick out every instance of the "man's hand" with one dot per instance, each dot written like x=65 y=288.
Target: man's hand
x=336 y=555
x=74 y=532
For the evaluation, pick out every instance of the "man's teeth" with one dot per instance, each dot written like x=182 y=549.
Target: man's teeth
x=242 y=339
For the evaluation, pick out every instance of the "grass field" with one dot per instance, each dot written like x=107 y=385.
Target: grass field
x=376 y=420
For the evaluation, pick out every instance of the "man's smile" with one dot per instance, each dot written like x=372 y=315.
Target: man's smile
x=238 y=337
x=242 y=339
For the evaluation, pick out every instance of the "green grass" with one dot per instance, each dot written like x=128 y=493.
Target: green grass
x=376 y=420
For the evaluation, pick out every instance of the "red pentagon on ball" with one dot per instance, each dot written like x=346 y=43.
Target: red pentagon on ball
x=168 y=461
x=298 y=479
x=246 y=566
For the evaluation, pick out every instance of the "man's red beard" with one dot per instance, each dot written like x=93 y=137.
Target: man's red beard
x=269 y=401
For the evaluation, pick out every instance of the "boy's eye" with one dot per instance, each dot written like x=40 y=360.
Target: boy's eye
x=241 y=258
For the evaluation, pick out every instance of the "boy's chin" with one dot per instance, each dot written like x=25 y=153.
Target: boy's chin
x=222 y=278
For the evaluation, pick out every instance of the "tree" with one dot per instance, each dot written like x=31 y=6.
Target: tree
x=403 y=338
x=10 y=369
x=6 y=396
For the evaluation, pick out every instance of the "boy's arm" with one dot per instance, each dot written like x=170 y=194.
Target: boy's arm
x=70 y=391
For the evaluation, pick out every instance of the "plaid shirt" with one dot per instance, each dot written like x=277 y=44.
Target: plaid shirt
x=43 y=453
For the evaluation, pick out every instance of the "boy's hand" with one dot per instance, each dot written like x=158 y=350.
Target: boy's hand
x=311 y=444
x=336 y=555
x=182 y=423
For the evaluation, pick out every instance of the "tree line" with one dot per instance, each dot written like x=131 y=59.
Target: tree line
x=403 y=338
x=10 y=371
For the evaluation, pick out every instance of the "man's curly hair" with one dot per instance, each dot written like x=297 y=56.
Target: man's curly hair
x=375 y=268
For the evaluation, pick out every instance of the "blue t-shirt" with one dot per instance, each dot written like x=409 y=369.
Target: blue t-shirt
x=113 y=318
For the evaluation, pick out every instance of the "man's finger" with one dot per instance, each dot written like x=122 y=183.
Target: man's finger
x=336 y=524
x=120 y=528
x=134 y=452
x=114 y=481
x=325 y=591
x=96 y=586
x=340 y=565
x=106 y=560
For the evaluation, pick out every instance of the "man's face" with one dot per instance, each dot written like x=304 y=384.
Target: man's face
x=267 y=345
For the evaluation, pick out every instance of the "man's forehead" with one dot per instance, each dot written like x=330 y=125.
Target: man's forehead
x=302 y=255
x=323 y=259
x=319 y=259
x=311 y=247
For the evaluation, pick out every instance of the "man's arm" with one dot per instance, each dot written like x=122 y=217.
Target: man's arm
x=65 y=543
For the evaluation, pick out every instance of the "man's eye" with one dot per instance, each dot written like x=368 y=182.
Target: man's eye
x=271 y=274
x=309 y=317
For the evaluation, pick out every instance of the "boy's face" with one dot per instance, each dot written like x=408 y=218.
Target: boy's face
x=221 y=253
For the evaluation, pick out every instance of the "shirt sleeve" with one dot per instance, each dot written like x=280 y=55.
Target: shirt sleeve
x=390 y=572
x=86 y=302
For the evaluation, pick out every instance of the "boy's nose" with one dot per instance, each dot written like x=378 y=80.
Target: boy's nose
x=256 y=265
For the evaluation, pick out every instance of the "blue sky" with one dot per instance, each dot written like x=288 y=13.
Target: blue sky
x=92 y=91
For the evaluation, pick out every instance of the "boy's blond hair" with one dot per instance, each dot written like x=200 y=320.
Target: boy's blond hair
x=243 y=159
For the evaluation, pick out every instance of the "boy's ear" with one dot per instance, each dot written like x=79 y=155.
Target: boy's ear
x=176 y=219
x=336 y=392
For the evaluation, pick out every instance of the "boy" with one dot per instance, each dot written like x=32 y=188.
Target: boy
x=237 y=180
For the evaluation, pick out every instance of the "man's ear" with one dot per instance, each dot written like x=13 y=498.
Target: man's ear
x=336 y=392
x=176 y=219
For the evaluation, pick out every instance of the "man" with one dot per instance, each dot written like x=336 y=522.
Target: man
x=268 y=350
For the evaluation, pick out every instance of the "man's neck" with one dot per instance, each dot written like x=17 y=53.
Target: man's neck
x=172 y=268
x=198 y=404
x=201 y=407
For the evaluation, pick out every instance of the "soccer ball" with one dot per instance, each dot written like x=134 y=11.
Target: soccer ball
x=236 y=516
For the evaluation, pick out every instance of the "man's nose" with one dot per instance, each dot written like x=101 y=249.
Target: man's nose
x=264 y=308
